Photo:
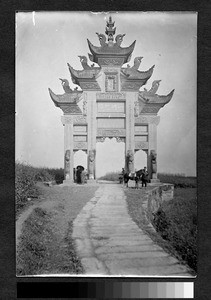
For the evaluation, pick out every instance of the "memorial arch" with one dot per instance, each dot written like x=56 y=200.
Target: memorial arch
x=114 y=105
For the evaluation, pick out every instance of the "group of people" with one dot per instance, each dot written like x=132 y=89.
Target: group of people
x=141 y=175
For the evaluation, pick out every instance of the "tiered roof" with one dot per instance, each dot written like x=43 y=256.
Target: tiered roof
x=67 y=101
x=150 y=102
x=110 y=53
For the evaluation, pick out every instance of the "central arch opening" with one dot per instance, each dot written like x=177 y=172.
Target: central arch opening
x=110 y=156
x=140 y=160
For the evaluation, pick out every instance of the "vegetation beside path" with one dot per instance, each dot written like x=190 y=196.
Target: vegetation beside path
x=26 y=178
x=45 y=245
x=175 y=222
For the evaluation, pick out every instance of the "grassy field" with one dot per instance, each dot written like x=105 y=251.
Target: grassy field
x=176 y=220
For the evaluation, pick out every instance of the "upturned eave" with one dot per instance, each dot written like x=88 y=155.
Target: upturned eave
x=66 y=98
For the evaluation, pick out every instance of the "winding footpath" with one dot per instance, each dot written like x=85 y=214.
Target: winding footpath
x=108 y=242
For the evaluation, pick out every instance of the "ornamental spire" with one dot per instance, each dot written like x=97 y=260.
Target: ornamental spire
x=109 y=30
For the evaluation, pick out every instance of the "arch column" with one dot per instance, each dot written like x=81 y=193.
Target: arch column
x=152 y=148
x=130 y=141
x=67 y=122
x=92 y=132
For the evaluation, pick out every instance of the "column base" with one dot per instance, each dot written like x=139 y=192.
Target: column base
x=68 y=182
x=154 y=180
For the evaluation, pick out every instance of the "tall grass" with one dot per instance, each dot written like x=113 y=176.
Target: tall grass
x=26 y=177
x=176 y=221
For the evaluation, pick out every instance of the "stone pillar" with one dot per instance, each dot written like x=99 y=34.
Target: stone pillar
x=68 y=148
x=92 y=132
x=152 y=148
x=131 y=98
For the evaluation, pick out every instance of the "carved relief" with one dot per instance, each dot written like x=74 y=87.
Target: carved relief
x=110 y=96
x=111 y=132
x=131 y=86
x=85 y=107
x=130 y=160
x=67 y=164
x=136 y=109
x=67 y=119
x=79 y=120
x=141 y=145
x=80 y=145
x=111 y=83
x=111 y=61
x=89 y=86
x=91 y=162
x=153 y=161
x=100 y=139
x=118 y=139
x=110 y=70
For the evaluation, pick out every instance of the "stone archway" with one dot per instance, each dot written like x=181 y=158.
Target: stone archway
x=113 y=103
x=110 y=155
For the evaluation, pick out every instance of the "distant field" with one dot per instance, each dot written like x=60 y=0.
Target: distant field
x=111 y=176
x=178 y=180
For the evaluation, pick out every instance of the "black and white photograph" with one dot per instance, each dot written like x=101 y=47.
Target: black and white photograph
x=105 y=158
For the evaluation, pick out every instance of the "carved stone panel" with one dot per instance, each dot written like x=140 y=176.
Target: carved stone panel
x=81 y=128
x=128 y=86
x=110 y=123
x=110 y=61
x=111 y=107
x=67 y=119
x=141 y=145
x=136 y=109
x=141 y=128
x=85 y=105
x=141 y=138
x=91 y=86
x=79 y=120
x=111 y=96
x=118 y=139
x=111 y=83
x=80 y=145
x=79 y=138
x=111 y=132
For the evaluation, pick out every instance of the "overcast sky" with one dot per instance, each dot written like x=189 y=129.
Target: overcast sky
x=47 y=41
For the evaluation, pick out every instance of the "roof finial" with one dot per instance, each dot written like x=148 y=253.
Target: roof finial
x=110 y=31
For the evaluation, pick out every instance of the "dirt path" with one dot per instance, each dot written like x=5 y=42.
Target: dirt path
x=60 y=205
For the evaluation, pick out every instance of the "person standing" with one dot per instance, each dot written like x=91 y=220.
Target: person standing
x=144 y=177
x=136 y=179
